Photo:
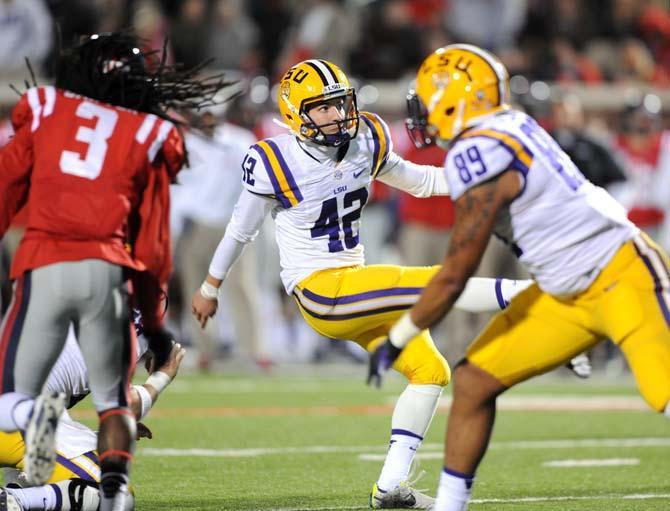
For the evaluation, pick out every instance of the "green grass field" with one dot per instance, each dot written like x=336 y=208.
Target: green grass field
x=313 y=441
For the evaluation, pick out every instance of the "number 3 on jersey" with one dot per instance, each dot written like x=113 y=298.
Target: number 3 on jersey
x=328 y=223
x=96 y=139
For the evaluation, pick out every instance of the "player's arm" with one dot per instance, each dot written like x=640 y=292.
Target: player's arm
x=417 y=180
x=143 y=397
x=16 y=163
x=248 y=216
x=476 y=212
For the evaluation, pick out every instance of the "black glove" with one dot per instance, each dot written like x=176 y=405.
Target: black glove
x=160 y=345
x=381 y=360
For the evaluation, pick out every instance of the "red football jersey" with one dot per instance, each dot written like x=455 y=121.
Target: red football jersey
x=94 y=178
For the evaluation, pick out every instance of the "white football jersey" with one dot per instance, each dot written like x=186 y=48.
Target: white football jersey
x=563 y=229
x=320 y=200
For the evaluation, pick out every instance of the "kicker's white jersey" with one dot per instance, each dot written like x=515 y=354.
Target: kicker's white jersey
x=563 y=228
x=319 y=200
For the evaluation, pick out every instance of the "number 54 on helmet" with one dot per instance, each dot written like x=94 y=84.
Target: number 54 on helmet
x=454 y=85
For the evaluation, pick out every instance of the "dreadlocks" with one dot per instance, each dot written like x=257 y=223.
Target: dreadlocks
x=111 y=68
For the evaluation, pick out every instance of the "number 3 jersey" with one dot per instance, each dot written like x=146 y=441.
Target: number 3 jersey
x=84 y=170
x=563 y=228
x=319 y=196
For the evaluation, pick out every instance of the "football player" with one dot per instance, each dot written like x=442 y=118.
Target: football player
x=596 y=275
x=91 y=160
x=315 y=181
x=74 y=482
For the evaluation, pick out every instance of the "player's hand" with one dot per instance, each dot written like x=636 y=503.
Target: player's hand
x=160 y=345
x=381 y=361
x=203 y=308
x=143 y=432
x=580 y=365
x=171 y=367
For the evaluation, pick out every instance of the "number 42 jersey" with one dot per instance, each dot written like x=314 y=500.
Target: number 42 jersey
x=319 y=197
x=562 y=228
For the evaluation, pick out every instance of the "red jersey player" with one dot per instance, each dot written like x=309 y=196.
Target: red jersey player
x=91 y=160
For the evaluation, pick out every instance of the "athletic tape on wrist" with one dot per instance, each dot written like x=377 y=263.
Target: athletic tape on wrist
x=403 y=331
x=158 y=380
x=145 y=400
x=209 y=291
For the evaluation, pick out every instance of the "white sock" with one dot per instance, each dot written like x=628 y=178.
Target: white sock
x=411 y=417
x=454 y=491
x=510 y=288
x=40 y=497
x=489 y=295
x=20 y=407
x=667 y=410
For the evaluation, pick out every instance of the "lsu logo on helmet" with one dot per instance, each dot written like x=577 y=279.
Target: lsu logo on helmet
x=455 y=84
x=308 y=84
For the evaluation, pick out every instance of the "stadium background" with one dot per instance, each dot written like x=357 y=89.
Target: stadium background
x=595 y=73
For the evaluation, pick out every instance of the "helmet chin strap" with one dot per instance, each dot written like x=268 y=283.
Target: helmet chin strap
x=457 y=126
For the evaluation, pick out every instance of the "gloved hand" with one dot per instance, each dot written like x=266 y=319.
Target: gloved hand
x=580 y=365
x=160 y=344
x=381 y=361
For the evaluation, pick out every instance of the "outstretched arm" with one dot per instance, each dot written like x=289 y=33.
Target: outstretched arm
x=415 y=179
x=248 y=216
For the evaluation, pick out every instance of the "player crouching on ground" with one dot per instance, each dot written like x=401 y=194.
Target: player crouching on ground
x=74 y=484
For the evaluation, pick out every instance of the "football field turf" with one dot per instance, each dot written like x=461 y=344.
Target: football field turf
x=314 y=439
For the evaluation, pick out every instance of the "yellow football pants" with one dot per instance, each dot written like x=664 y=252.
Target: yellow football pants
x=12 y=450
x=628 y=303
x=361 y=303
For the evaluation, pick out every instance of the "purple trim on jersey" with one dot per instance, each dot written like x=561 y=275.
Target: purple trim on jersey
x=460 y=475
x=91 y=455
x=405 y=433
x=501 y=300
x=375 y=139
x=287 y=173
x=7 y=384
x=658 y=287
x=517 y=163
x=275 y=184
x=353 y=315
x=388 y=140
x=359 y=297
x=74 y=468
x=59 y=496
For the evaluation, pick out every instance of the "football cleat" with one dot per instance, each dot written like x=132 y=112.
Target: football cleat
x=40 y=438
x=79 y=494
x=8 y=502
x=402 y=496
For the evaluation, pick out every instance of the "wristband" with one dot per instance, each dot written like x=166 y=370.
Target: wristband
x=403 y=331
x=209 y=291
x=145 y=400
x=158 y=380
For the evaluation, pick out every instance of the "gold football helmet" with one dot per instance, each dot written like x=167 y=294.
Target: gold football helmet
x=454 y=84
x=308 y=84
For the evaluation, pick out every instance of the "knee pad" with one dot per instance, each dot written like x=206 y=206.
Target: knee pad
x=433 y=371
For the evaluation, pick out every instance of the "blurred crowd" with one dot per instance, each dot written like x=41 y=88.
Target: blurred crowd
x=626 y=150
x=557 y=40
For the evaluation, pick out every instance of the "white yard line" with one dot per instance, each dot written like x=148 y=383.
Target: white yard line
x=566 y=498
x=429 y=451
x=601 y=462
x=551 y=402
